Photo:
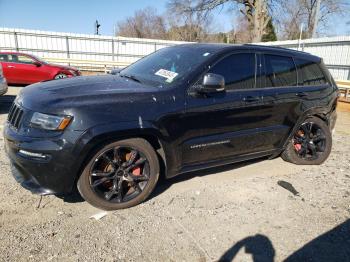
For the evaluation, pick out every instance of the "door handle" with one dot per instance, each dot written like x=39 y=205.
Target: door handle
x=301 y=94
x=11 y=66
x=251 y=98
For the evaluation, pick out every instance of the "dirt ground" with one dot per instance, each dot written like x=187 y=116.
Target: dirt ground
x=239 y=212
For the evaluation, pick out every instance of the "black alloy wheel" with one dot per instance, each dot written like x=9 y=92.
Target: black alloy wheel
x=309 y=141
x=311 y=144
x=120 y=175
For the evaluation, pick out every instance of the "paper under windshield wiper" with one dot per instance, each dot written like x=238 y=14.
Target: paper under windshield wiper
x=131 y=77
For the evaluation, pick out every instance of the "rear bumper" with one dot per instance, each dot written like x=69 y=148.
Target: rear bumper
x=53 y=174
x=3 y=86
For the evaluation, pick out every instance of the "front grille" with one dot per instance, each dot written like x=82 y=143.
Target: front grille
x=15 y=116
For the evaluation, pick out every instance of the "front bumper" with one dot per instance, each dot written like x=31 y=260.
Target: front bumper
x=3 y=86
x=54 y=174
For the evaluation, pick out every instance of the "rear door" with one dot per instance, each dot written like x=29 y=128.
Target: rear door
x=226 y=124
x=282 y=96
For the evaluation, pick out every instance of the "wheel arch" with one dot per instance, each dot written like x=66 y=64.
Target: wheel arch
x=89 y=145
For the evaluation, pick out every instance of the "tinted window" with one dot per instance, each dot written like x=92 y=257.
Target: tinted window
x=3 y=58
x=280 y=71
x=309 y=73
x=238 y=71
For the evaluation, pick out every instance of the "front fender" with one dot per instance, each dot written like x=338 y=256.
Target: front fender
x=99 y=135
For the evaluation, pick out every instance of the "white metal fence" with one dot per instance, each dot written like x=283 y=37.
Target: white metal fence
x=79 y=48
x=335 y=52
x=103 y=52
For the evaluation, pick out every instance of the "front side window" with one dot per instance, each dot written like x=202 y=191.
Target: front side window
x=280 y=71
x=309 y=73
x=3 y=58
x=238 y=71
x=25 y=59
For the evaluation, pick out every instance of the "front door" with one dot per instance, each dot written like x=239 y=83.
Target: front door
x=231 y=123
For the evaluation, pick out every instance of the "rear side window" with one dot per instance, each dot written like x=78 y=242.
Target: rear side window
x=280 y=71
x=238 y=71
x=309 y=73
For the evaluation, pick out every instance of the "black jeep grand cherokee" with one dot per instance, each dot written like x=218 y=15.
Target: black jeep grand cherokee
x=180 y=109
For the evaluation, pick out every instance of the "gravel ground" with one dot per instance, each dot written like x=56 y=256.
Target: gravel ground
x=240 y=211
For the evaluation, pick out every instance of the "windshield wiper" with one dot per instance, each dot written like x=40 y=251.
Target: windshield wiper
x=130 y=77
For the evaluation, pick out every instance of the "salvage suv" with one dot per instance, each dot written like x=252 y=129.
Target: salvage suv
x=180 y=109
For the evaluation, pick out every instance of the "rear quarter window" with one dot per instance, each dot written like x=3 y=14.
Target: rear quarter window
x=309 y=73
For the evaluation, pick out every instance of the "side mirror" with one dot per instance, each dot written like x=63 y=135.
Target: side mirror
x=36 y=63
x=212 y=83
x=115 y=71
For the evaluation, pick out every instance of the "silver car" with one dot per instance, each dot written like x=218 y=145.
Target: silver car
x=3 y=84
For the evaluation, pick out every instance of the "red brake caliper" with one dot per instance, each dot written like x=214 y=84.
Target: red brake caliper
x=136 y=171
x=298 y=146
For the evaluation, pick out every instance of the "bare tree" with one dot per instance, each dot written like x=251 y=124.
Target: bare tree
x=145 y=23
x=292 y=13
x=254 y=11
x=186 y=25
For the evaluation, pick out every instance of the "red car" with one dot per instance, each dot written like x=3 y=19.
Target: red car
x=20 y=68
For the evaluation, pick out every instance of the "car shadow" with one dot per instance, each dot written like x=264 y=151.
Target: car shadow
x=6 y=103
x=165 y=184
x=333 y=245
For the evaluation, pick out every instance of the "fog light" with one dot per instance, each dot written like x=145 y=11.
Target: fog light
x=31 y=154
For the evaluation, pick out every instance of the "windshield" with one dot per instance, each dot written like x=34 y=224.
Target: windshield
x=167 y=66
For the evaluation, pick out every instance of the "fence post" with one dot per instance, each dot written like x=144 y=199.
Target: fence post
x=117 y=50
x=67 y=47
x=155 y=47
x=16 y=41
x=112 y=49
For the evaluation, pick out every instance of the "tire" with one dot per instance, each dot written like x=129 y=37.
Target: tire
x=60 y=76
x=97 y=197
x=294 y=151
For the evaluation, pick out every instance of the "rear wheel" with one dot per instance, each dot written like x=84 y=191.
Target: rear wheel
x=310 y=145
x=120 y=175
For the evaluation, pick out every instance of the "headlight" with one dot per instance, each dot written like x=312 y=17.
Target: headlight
x=50 y=122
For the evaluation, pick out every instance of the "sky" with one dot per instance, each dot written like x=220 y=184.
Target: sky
x=79 y=16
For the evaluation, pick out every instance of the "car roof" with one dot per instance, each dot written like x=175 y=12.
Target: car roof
x=224 y=48
x=13 y=53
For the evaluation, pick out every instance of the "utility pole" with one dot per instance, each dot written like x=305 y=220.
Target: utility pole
x=316 y=18
x=97 y=26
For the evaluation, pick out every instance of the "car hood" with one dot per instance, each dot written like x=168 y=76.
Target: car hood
x=58 y=96
x=62 y=67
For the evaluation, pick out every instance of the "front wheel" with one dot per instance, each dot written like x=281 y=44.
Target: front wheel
x=60 y=76
x=120 y=175
x=310 y=145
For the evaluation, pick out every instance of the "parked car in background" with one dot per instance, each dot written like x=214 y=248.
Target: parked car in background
x=20 y=68
x=3 y=84
x=180 y=109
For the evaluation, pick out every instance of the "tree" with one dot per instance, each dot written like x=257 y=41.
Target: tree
x=254 y=11
x=186 y=25
x=270 y=34
x=290 y=14
x=145 y=23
